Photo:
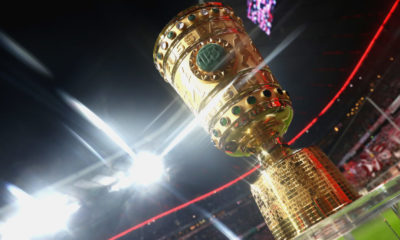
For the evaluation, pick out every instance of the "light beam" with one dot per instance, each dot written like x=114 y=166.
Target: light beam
x=98 y=122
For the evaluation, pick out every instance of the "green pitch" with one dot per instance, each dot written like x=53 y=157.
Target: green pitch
x=384 y=227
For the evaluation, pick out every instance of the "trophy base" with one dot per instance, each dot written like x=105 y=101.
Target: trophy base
x=300 y=190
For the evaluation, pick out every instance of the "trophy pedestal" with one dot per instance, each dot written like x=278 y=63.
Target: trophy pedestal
x=300 y=190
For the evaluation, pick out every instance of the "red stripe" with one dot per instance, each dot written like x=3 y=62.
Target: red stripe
x=303 y=131
x=350 y=77
x=129 y=230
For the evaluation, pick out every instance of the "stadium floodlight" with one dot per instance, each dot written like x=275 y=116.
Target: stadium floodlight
x=147 y=168
x=39 y=216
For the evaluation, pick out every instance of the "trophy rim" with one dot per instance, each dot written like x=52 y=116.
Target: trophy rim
x=181 y=15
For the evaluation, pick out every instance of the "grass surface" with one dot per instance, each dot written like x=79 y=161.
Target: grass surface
x=378 y=229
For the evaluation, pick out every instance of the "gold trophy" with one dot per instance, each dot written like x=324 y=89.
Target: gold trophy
x=207 y=56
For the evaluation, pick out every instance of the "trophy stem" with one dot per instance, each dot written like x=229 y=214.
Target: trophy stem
x=298 y=190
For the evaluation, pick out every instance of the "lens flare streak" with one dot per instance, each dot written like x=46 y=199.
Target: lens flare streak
x=87 y=145
x=98 y=122
x=192 y=125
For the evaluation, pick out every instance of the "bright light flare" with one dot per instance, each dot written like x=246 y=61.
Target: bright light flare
x=147 y=168
x=39 y=216
x=98 y=122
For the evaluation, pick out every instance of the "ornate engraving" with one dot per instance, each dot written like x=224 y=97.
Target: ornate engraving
x=217 y=25
x=180 y=48
x=239 y=44
x=190 y=39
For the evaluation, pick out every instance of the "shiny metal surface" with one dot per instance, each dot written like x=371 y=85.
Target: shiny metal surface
x=208 y=58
